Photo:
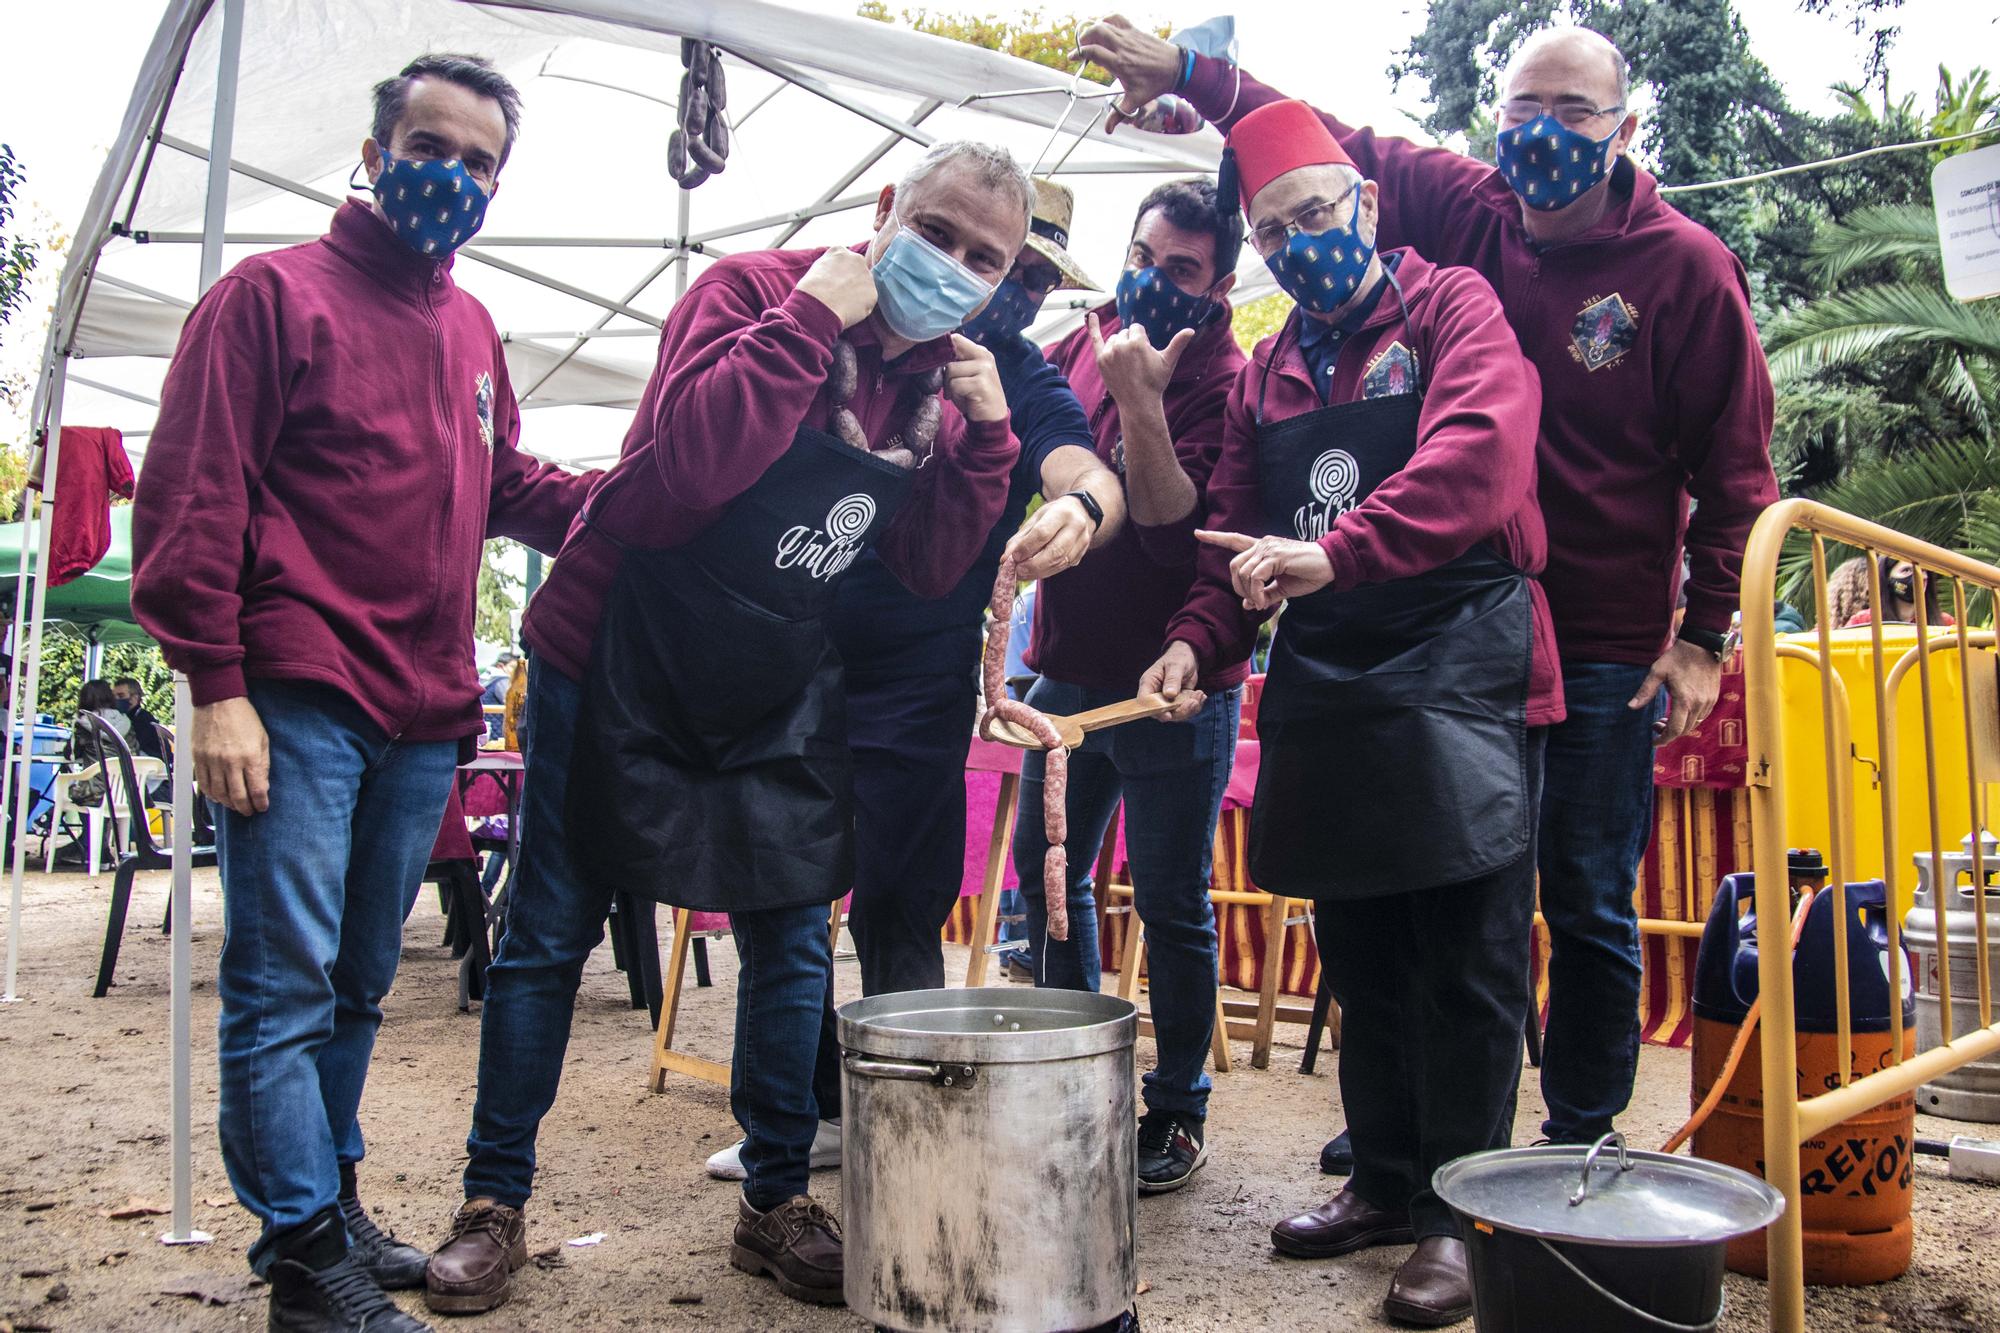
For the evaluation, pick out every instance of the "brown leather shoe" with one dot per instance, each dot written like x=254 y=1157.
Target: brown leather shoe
x=472 y=1271
x=797 y=1244
x=1433 y=1287
x=1343 y=1224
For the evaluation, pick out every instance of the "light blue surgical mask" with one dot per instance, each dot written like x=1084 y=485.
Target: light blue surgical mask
x=922 y=292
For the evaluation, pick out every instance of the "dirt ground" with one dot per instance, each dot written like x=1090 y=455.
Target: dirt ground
x=83 y=1129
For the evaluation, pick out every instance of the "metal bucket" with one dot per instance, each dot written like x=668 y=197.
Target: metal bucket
x=1597 y=1241
x=987 y=1175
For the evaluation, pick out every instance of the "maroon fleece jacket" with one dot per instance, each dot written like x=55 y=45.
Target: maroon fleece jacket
x=1103 y=622
x=1471 y=479
x=1654 y=387
x=743 y=364
x=335 y=442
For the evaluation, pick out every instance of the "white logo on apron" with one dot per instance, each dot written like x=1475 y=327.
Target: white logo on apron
x=825 y=551
x=1335 y=478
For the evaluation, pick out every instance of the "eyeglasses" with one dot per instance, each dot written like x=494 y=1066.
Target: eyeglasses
x=1521 y=110
x=1037 y=279
x=1313 y=219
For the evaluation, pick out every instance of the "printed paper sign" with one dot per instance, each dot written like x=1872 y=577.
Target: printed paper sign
x=1965 y=189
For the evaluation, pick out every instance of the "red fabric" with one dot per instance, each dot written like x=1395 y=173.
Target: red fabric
x=1471 y=479
x=1717 y=752
x=1654 y=387
x=742 y=365
x=1103 y=622
x=454 y=840
x=335 y=442
x=92 y=468
x=1279 y=137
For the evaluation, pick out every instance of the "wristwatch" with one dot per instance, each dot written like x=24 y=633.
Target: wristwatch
x=1717 y=645
x=1089 y=503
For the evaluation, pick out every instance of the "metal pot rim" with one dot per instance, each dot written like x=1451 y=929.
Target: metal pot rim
x=1102 y=1023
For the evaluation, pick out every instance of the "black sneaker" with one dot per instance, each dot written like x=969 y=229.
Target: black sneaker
x=1337 y=1157
x=1171 y=1150
x=394 y=1265
x=317 y=1286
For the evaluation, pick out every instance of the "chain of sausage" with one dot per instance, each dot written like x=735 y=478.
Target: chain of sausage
x=1055 y=780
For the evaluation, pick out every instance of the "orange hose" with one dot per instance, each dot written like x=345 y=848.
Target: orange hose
x=1736 y=1049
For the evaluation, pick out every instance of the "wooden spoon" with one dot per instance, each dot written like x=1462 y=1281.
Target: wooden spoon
x=1073 y=727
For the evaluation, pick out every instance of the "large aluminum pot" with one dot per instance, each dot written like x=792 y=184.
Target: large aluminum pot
x=1971 y=1091
x=987 y=1176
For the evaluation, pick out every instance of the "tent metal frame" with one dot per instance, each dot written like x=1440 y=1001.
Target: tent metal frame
x=123 y=181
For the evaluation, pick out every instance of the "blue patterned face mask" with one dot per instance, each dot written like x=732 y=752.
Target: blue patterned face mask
x=1012 y=309
x=433 y=207
x=1549 y=164
x=922 y=292
x=1148 y=296
x=1323 y=270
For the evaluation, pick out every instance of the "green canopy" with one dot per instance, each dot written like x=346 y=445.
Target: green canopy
x=100 y=602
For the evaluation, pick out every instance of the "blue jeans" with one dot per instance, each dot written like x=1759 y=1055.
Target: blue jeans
x=314 y=893
x=1597 y=814
x=555 y=917
x=1171 y=776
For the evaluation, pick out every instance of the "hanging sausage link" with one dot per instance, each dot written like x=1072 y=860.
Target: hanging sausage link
x=1055 y=781
x=699 y=146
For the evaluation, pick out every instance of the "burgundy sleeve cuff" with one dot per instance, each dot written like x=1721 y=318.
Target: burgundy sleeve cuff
x=1347 y=571
x=215 y=684
x=1198 y=637
x=813 y=315
x=1711 y=615
x=991 y=437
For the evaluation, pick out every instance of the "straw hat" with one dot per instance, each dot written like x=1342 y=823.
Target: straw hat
x=1048 y=233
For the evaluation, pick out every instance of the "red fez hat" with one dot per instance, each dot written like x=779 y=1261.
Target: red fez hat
x=1278 y=138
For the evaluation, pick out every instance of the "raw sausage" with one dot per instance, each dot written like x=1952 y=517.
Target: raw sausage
x=1055 y=781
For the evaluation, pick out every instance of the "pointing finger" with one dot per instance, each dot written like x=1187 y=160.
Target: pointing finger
x=1228 y=541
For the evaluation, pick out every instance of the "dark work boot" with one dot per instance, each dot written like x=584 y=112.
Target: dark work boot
x=318 y=1287
x=394 y=1265
x=1337 y=1157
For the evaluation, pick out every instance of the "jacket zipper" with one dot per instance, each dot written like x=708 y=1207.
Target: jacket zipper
x=448 y=439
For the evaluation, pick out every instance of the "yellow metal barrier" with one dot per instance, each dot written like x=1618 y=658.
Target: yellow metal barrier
x=1789 y=1121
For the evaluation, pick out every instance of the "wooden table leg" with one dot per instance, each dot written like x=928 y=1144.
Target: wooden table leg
x=1267 y=990
x=1218 y=1042
x=666 y=1058
x=986 y=913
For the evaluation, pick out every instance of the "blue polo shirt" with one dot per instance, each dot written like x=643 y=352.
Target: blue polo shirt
x=882 y=628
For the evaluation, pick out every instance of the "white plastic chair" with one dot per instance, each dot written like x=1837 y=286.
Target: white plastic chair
x=148 y=770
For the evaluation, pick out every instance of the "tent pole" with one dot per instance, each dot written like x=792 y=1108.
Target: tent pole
x=221 y=145
x=30 y=674
x=93 y=654
x=680 y=248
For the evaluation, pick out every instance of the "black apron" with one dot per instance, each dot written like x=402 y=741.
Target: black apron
x=711 y=768
x=1393 y=720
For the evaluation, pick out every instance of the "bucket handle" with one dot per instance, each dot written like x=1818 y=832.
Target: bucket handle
x=1624 y=1164
x=940 y=1075
x=1625 y=1306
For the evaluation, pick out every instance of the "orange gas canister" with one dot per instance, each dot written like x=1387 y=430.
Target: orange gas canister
x=1855 y=1179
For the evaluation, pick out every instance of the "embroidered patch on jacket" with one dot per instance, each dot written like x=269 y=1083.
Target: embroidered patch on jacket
x=482 y=402
x=1393 y=371
x=1604 y=330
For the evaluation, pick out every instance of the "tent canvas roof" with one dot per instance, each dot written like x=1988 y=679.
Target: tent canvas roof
x=581 y=239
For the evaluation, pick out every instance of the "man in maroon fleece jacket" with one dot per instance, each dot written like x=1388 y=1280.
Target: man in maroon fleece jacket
x=1385 y=436
x=687 y=736
x=336 y=440
x=1654 y=393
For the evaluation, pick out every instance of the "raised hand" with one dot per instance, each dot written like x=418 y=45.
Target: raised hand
x=1144 y=65
x=1131 y=368
x=972 y=382
x=840 y=280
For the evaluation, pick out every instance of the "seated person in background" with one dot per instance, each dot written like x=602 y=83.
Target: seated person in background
x=1899 y=595
x=86 y=746
x=130 y=701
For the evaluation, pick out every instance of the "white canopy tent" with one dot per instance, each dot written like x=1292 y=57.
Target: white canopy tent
x=246 y=121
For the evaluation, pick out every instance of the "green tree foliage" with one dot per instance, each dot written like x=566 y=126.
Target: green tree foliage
x=1046 y=39
x=1259 y=319
x=17 y=254
x=496 y=605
